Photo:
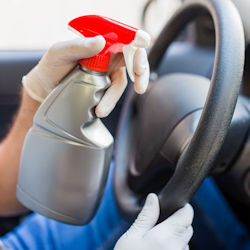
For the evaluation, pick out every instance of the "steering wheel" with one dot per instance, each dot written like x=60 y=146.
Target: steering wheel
x=136 y=150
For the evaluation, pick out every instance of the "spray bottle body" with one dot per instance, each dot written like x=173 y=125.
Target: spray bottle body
x=67 y=151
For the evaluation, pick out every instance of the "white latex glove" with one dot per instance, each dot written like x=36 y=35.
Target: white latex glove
x=61 y=58
x=172 y=234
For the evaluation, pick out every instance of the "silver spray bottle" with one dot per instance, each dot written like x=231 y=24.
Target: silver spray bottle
x=67 y=152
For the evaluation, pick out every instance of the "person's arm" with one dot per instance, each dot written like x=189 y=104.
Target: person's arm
x=10 y=153
x=41 y=80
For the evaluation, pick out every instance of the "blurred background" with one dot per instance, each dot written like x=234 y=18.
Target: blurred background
x=33 y=24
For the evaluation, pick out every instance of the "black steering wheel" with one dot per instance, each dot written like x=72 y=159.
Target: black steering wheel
x=197 y=159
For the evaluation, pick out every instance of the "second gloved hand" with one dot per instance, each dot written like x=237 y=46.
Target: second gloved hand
x=61 y=58
x=172 y=234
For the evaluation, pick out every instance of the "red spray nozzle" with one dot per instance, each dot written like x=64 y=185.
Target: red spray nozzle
x=116 y=35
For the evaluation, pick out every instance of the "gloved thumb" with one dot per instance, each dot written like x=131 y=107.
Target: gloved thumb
x=78 y=48
x=148 y=216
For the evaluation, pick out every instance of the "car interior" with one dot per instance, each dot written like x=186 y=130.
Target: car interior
x=192 y=52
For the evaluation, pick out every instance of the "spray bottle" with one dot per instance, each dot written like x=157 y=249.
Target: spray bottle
x=67 y=153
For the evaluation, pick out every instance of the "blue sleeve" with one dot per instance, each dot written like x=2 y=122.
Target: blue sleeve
x=39 y=232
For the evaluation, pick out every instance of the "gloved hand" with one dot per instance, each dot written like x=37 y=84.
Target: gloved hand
x=61 y=58
x=172 y=234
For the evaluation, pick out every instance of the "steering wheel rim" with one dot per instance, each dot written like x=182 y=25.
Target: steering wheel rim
x=197 y=159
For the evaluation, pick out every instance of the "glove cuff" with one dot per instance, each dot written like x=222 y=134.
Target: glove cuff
x=34 y=84
x=30 y=91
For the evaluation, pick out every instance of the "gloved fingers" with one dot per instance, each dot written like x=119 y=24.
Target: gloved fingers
x=177 y=237
x=183 y=217
x=188 y=235
x=182 y=238
x=141 y=71
x=142 y=39
x=140 y=61
x=141 y=82
x=113 y=93
x=137 y=66
x=76 y=49
x=148 y=216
